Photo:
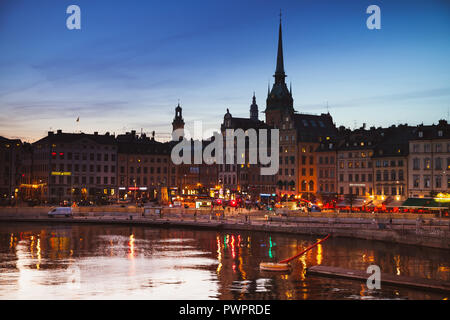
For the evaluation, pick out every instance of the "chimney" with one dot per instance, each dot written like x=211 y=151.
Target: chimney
x=50 y=133
x=59 y=131
x=95 y=133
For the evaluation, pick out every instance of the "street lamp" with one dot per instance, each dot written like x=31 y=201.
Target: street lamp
x=135 y=189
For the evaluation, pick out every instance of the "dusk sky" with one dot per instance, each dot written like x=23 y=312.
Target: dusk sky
x=132 y=60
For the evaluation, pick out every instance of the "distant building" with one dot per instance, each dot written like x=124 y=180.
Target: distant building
x=429 y=161
x=390 y=161
x=244 y=177
x=144 y=169
x=74 y=167
x=11 y=169
x=355 y=165
x=300 y=135
x=326 y=162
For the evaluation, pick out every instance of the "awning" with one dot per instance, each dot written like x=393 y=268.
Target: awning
x=424 y=203
x=394 y=204
x=357 y=203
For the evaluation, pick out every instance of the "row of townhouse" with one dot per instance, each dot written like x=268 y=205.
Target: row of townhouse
x=386 y=164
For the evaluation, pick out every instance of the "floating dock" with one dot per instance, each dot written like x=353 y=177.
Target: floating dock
x=387 y=279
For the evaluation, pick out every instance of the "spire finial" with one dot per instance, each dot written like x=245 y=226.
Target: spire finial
x=279 y=72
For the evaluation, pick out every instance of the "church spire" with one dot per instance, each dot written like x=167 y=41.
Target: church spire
x=280 y=75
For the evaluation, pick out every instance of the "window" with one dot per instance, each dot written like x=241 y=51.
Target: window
x=416 y=164
x=378 y=175
x=394 y=191
x=400 y=175
x=416 y=181
x=393 y=175
x=427 y=163
x=427 y=181
x=438 y=163
x=438 y=181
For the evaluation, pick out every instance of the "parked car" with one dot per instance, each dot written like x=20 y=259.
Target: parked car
x=61 y=212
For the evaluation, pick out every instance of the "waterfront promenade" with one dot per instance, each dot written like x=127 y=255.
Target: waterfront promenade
x=428 y=230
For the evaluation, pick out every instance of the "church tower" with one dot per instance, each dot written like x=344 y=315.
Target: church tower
x=178 y=122
x=254 y=109
x=279 y=100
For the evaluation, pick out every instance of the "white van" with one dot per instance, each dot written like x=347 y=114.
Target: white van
x=59 y=212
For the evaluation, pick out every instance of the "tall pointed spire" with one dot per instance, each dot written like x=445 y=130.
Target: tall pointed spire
x=280 y=75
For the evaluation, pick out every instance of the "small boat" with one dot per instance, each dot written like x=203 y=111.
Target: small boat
x=284 y=264
x=273 y=266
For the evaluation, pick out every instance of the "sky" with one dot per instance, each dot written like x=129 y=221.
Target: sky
x=132 y=61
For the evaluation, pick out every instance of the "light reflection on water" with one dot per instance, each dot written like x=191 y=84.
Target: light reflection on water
x=114 y=262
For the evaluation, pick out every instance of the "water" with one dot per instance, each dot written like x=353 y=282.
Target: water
x=39 y=261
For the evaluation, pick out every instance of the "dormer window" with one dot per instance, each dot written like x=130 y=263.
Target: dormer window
x=420 y=134
x=440 y=133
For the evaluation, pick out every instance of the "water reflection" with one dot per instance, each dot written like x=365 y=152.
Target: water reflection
x=90 y=262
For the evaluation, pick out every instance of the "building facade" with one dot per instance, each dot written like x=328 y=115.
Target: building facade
x=144 y=170
x=12 y=171
x=74 y=167
x=429 y=161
